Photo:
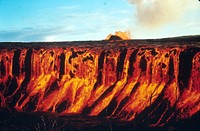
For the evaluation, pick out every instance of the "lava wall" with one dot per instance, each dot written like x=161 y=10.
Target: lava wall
x=154 y=81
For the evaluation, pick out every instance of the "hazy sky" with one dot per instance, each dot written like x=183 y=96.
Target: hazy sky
x=72 y=20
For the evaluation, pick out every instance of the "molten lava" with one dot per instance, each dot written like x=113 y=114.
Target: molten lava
x=122 y=80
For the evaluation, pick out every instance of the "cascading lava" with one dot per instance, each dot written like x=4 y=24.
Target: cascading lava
x=150 y=80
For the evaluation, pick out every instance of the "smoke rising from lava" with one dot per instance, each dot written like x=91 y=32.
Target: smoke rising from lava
x=156 y=13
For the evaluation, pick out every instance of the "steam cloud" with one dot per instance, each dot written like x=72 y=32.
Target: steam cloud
x=156 y=13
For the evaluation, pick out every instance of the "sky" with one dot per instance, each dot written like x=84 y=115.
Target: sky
x=75 y=20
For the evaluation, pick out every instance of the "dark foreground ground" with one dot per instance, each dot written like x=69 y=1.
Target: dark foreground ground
x=14 y=121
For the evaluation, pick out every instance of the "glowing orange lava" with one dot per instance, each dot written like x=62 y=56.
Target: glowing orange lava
x=120 y=81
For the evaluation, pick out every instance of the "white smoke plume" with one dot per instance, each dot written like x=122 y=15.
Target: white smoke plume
x=156 y=13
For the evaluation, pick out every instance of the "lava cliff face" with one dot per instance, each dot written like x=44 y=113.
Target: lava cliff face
x=154 y=81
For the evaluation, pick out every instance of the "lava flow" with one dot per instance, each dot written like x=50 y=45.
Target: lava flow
x=150 y=80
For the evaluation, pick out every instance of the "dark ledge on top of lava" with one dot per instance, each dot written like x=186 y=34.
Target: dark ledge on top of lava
x=171 y=41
